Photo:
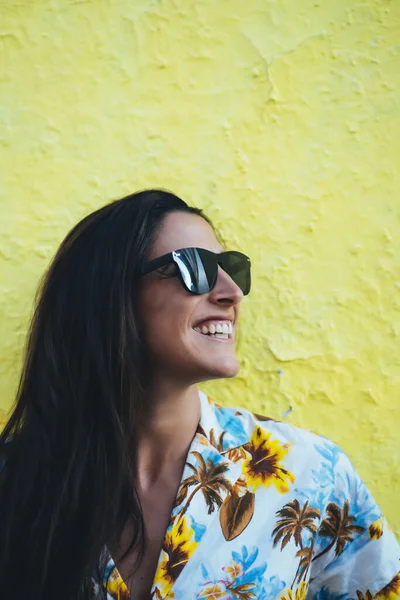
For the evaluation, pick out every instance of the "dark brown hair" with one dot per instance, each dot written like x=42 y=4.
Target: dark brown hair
x=66 y=489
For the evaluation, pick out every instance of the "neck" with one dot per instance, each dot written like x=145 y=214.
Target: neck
x=166 y=431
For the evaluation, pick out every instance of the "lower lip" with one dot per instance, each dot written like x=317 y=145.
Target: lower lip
x=215 y=339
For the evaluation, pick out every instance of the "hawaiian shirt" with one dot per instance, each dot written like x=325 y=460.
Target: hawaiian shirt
x=268 y=510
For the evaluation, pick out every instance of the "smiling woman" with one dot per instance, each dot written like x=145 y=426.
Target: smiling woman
x=122 y=481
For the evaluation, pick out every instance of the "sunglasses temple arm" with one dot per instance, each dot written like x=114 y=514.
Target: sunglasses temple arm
x=152 y=265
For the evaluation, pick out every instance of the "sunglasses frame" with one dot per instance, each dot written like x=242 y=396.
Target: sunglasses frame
x=174 y=257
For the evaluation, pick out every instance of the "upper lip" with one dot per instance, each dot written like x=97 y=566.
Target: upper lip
x=214 y=318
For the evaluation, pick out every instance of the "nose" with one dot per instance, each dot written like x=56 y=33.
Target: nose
x=225 y=291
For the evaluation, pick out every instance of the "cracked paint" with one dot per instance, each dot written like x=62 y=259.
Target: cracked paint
x=280 y=119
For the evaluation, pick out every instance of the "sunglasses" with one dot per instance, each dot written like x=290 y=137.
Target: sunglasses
x=198 y=268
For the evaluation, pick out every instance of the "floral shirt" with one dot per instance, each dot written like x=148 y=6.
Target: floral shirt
x=268 y=510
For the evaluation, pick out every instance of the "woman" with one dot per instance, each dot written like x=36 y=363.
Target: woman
x=121 y=480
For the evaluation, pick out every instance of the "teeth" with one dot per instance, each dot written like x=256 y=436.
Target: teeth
x=222 y=329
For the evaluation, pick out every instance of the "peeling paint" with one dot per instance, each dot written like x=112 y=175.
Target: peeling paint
x=287 y=412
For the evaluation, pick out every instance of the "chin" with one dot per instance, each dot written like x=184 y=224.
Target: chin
x=223 y=369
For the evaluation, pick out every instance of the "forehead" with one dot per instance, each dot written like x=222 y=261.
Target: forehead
x=184 y=230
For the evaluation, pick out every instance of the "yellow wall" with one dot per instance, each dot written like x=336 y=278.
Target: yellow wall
x=282 y=119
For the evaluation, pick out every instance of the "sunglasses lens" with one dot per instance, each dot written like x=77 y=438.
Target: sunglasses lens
x=237 y=265
x=198 y=269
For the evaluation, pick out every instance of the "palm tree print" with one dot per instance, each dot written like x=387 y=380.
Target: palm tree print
x=217 y=443
x=366 y=596
x=294 y=519
x=305 y=554
x=209 y=478
x=338 y=525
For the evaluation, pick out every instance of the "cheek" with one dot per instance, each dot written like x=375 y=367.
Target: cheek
x=168 y=340
x=165 y=317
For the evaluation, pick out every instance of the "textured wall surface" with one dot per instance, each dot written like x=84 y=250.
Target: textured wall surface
x=282 y=120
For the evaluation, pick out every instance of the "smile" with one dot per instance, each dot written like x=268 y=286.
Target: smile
x=221 y=330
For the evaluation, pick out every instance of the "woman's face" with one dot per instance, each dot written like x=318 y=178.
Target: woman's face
x=172 y=319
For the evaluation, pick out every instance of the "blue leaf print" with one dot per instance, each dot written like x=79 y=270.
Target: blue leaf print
x=236 y=557
x=208 y=454
x=254 y=575
x=317 y=498
x=362 y=503
x=198 y=529
x=252 y=557
x=329 y=451
x=327 y=486
x=204 y=572
x=272 y=588
x=245 y=559
x=233 y=425
x=245 y=553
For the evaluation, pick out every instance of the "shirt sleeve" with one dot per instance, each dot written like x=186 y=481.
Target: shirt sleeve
x=356 y=554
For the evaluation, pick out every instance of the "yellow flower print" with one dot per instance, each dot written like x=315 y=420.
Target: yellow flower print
x=177 y=548
x=375 y=530
x=215 y=591
x=264 y=466
x=233 y=571
x=299 y=594
x=391 y=591
x=158 y=596
x=116 y=586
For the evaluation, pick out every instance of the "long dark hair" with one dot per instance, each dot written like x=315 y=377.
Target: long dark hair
x=67 y=484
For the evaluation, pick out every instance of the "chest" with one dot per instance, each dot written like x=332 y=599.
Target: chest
x=157 y=504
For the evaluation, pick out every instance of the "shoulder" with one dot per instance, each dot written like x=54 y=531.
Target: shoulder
x=316 y=462
x=246 y=424
x=320 y=468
